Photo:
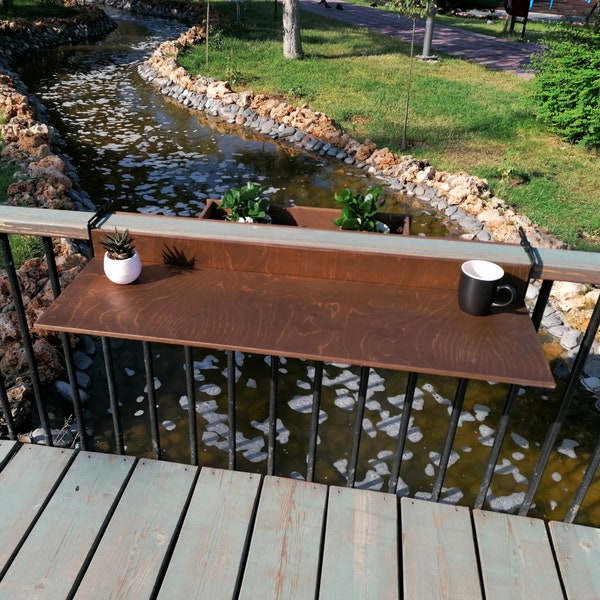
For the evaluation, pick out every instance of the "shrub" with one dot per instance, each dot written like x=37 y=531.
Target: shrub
x=567 y=86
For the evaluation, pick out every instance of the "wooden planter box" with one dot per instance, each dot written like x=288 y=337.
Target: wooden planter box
x=311 y=217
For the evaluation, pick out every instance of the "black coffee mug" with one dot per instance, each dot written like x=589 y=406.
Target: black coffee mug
x=479 y=287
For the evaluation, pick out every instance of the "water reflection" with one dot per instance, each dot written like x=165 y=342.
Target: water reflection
x=146 y=153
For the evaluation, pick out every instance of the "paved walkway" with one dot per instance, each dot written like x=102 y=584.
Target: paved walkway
x=491 y=52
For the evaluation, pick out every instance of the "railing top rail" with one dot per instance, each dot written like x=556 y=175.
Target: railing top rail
x=557 y=265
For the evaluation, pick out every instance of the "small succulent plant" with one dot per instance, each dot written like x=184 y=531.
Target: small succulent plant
x=246 y=204
x=118 y=246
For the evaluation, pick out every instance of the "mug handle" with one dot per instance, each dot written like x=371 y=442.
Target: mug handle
x=513 y=295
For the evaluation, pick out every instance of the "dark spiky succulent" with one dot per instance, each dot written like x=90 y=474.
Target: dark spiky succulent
x=118 y=246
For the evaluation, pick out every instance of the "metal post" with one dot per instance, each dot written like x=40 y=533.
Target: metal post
x=231 y=407
x=507 y=412
x=314 y=422
x=409 y=396
x=5 y=406
x=427 y=40
x=272 y=414
x=66 y=344
x=360 y=411
x=15 y=289
x=151 y=400
x=452 y=425
x=567 y=397
x=113 y=395
x=191 y=396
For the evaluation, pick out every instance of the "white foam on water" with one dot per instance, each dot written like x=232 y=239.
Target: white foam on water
x=210 y=389
x=251 y=383
x=156 y=384
x=140 y=399
x=303 y=385
x=129 y=372
x=507 y=504
x=341 y=466
x=414 y=434
x=397 y=401
x=301 y=404
x=372 y=481
x=344 y=399
x=518 y=456
x=138 y=413
x=520 y=441
x=368 y=428
x=465 y=417
x=169 y=425
x=556 y=477
x=184 y=402
x=481 y=412
x=567 y=448
x=380 y=466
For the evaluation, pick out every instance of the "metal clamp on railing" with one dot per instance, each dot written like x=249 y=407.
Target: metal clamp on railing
x=95 y=220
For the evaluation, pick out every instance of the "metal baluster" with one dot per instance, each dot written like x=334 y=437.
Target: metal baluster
x=113 y=394
x=66 y=345
x=15 y=289
x=360 y=411
x=578 y=365
x=542 y=301
x=314 y=422
x=272 y=414
x=509 y=405
x=231 y=397
x=5 y=406
x=151 y=400
x=507 y=412
x=191 y=396
x=409 y=397
x=452 y=425
x=584 y=486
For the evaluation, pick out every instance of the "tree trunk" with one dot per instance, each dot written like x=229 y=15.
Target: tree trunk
x=292 y=44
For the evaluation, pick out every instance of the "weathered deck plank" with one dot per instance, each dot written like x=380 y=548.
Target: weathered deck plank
x=360 y=556
x=438 y=559
x=283 y=560
x=100 y=526
x=211 y=548
x=516 y=558
x=6 y=449
x=25 y=484
x=131 y=554
x=49 y=561
x=577 y=551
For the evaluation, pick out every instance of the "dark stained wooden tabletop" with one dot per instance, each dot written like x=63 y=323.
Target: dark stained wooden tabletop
x=372 y=324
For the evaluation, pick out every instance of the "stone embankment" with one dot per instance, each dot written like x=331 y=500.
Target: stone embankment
x=43 y=179
x=46 y=179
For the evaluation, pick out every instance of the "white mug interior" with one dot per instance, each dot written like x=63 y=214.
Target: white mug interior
x=483 y=270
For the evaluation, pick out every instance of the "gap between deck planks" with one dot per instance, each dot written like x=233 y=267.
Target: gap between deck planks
x=89 y=525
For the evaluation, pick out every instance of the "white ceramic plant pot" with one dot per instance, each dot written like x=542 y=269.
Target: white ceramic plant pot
x=123 y=271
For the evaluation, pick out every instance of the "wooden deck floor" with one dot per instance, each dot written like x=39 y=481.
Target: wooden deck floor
x=87 y=525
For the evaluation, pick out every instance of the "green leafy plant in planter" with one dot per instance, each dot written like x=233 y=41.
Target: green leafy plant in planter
x=246 y=204
x=359 y=212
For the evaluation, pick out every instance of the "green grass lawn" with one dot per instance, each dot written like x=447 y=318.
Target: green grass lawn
x=462 y=116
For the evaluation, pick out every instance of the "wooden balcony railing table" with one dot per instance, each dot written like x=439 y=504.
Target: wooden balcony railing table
x=75 y=523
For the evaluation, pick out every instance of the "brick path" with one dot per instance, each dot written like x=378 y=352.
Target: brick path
x=494 y=53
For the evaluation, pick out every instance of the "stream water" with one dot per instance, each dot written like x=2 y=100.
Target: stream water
x=131 y=145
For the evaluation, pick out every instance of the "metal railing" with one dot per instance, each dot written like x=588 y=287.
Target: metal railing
x=547 y=266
